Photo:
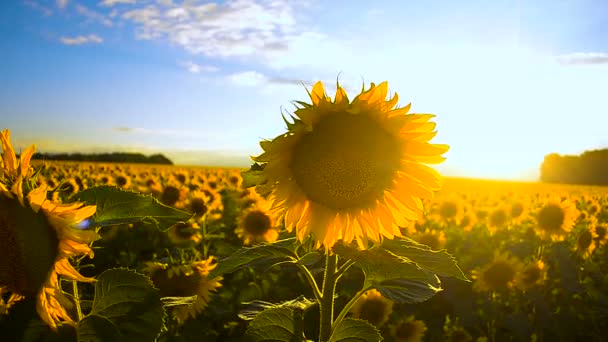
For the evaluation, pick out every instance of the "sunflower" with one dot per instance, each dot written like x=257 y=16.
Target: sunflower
x=498 y=275
x=409 y=330
x=556 y=218
x=585 y=241
x=184 y=234
x=532 y=274
x=432 y=238
x=351 y=170
x=37 y=238
x=373 y=307
x=257 y=224
x=122 y=180
x=185 y=281
x=518 y=211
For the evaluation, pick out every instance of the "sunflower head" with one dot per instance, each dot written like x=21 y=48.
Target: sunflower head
x=556 y=218
x=432 y=238
x=498 y=217
x=37 y=238
x=498 y=275
x=185 y=233
x=350 y=170
x=586 y=241
x=373 y=307
x=409 y=330
x=185 y=281
x=532 y=274
x=257 y=224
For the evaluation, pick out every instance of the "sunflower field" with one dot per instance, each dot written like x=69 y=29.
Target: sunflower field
x=338 y=232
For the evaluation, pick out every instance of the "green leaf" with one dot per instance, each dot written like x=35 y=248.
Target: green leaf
x=117 y=206
x=277 y=251
x=439 y=262
x=252 y=309
x=397 y=278
x=276 y=324
x=355 y=330
x=126 y=308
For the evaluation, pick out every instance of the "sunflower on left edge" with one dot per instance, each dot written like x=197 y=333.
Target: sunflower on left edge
x=37 y=238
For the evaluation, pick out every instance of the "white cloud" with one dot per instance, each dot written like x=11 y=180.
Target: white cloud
x=110 y=3
x=92 y=15
x=583 y=58
x=248 y=78
x=198 y=68
x=62 y=3
x=79 y=40
x=35 y=5
x=236 y=28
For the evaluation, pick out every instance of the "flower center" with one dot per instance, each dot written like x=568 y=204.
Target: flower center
x=551 y=218
x=498 y=275
x=28 y=247
x=257 y=223
x=374 y=310
x=347 y=161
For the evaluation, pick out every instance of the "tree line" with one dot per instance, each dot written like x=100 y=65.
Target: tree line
x=116 y=157
x=589 y=168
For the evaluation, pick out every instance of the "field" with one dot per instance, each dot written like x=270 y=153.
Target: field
x=534 y=254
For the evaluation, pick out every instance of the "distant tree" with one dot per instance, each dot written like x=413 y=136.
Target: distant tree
x=590 y=167
x=115 y=157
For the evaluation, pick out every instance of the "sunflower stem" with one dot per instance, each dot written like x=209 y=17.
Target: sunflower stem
x=327 y=298
x=349 y=305
x=76 y=295
x=344 y=268
x=311 y=281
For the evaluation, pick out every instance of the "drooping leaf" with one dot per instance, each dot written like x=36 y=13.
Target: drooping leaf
x=439 y=262
x=355 y=330
x=126 y=308
x=117 y=206
x=274 y=252
x=276 y=324
x=395 y=277
x=252 y=309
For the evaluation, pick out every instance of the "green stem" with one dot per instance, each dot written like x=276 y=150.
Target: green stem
x=77 y=299
x=349 y=305
x=327 y=298
x=311 y=281
x=344 y=268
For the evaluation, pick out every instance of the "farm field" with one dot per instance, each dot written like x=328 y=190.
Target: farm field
x=535 y=255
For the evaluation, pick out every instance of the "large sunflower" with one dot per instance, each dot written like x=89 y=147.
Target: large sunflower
x=37 y=238
x=351 y=170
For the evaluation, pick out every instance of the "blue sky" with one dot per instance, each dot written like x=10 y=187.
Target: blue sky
x=203 y=82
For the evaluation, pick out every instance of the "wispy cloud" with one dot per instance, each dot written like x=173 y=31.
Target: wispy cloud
x=248 y=78
x=198 y=68
x=163 y=132
x=110 y=3
x=62 y=3
x=92 y=15
x=233 y=28
x=581 y=58
x=80 y=40
x=37 y=6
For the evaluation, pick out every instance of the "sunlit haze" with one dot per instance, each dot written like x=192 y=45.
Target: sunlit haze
x=203 y=82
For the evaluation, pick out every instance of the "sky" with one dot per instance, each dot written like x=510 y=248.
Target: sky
x=203 y=82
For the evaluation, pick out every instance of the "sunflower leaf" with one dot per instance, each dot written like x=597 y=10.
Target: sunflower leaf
x=278 y=251
x=117 y=206
x=439 y=262
x=276 y=324
x=126 y=307
x=355 y=330
x=253 y=308
x=397 y=278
